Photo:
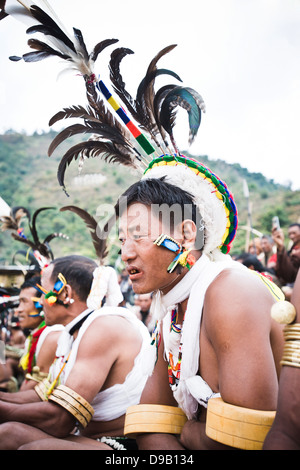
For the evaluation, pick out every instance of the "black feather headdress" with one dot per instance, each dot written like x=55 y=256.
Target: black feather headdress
x=97 y=235
x=133 y=133
x=39 y=249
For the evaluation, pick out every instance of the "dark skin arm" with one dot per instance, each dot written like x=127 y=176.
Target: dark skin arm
x=45 y=358
x=50 y=417
x=285 y=432
x=157 y=391
x=238 y=325
x=239 y=350
x=26 y=396
x=99 y=345
x=240 y=346
x=193 y=436
x=41 y=415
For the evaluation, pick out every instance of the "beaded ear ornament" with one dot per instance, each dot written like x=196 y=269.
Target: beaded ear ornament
x=51 y=296
x=183 y=256
x=38 y=306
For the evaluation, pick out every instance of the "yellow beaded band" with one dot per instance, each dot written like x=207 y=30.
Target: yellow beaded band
x=291 y=352
x=73 y=403
x=142 y=419
x=238 y=427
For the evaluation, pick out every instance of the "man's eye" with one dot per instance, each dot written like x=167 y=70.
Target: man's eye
x=138 y=236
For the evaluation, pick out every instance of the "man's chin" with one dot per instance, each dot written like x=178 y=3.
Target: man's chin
x=139 y=289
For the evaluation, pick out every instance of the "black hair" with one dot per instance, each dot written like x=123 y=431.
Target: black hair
x=156 y=192
x=267 y=237
x=78 y=271
x=32 y=282
x=251 y=260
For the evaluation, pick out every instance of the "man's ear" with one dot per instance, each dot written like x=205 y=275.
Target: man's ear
x=189 y=233
x=67 y=294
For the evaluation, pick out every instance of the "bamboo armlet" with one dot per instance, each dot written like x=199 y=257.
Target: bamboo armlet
x=67 y=399
x=42 y=388
x=291 y=352
x=153 y=419
x=73 y=403
x=238 y=427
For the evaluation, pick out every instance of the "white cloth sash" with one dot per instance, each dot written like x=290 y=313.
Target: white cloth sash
x=112 y=402
x=192 y=389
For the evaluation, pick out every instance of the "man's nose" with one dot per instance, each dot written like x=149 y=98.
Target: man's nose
x=128 y=251
x=18 y=310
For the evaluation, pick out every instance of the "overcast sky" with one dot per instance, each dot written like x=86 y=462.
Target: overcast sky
x=242 y=56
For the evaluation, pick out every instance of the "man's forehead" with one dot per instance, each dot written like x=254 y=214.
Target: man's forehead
x=27 y=292
x=136 y=210
x=133 y=215
x=150 y=218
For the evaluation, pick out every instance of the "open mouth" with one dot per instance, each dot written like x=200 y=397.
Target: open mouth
x=133 y=272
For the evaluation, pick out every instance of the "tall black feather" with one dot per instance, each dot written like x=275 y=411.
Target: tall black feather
x=51 y=26
x=99 y=242
x=109 y=151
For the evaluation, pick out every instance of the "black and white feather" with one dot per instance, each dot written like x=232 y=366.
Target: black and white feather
x=36 y=245
x=154 y=112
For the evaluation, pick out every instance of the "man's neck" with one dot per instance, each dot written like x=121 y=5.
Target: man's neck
x=73 y=311
x=81 y=317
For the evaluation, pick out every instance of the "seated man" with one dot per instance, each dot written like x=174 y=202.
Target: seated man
x=11 y=351
x=41 y=343
x=285 y=432
x=287 y=264
x=99 y=367
x=215 y=334
x=142 y=310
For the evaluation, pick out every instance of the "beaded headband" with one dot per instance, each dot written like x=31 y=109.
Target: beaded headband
x=218 y=189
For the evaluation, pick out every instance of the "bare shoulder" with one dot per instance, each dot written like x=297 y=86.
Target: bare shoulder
x=110 y=324
x=51 y=339
x=108 y=333
x=47 y=351
x=235 y=297
x=49 y=345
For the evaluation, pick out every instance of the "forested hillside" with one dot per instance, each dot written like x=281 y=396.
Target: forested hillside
x=28 y=178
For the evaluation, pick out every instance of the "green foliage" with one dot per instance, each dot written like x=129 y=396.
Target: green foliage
x=28 y=178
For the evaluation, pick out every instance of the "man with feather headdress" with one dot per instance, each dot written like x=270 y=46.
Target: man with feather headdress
x=203 y=300
x=40 y=345
x=285 y=431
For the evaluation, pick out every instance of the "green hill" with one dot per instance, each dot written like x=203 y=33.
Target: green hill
x=28 y=178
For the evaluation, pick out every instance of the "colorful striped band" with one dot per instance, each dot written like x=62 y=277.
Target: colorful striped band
x=133 y=129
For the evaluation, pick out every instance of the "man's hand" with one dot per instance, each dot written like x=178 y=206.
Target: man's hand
x=278 y=237
x=193 y=437
x=296 y=253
